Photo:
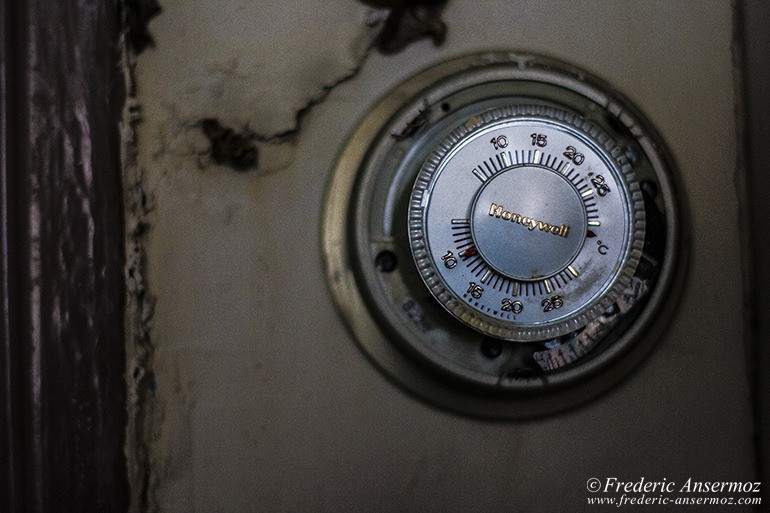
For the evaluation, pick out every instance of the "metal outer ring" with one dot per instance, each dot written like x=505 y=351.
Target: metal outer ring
x=592 y=376
x=490 y=325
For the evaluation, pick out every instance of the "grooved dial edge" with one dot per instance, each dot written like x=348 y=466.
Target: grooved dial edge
x=523 y=225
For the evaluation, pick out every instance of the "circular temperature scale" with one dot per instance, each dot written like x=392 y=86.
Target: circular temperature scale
x=523 y=225
x=500 y=232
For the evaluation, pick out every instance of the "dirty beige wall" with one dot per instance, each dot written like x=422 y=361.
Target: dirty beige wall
x=258 y=398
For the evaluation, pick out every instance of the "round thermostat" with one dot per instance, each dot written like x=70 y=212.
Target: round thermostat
x=499 y=233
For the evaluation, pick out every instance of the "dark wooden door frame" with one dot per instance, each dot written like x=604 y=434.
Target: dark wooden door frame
x=751 y=48
x=62 y=362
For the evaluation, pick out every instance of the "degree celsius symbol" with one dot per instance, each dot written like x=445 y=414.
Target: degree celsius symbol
x=602 y=248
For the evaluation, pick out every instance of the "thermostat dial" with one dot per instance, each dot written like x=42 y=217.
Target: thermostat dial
x=523 y=225
x=502 y=235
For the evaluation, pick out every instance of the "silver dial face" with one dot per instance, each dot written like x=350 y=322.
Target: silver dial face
x=525 y=224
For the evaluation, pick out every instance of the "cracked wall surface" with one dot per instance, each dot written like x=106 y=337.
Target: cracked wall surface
x=246 y=67
x=257 y=398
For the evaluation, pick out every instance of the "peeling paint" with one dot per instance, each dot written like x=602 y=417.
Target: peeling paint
x=265 y=86
x=414 y=124
x=139 y=303
x=138 y=14
x=231 y=148
x=206 y=141
x=385 y=26
x=408 y=21
x=203 y=141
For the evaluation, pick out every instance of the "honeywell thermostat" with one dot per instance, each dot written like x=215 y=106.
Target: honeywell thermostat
x=502 y=235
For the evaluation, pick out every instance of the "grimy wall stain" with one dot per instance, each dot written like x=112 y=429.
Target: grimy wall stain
x=256 y=397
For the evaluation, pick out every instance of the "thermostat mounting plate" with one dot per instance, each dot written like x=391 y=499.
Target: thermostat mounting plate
x=499 y=233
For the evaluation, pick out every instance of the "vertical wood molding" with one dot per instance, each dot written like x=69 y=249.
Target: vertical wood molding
x=63 y=354
x=752 y=18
